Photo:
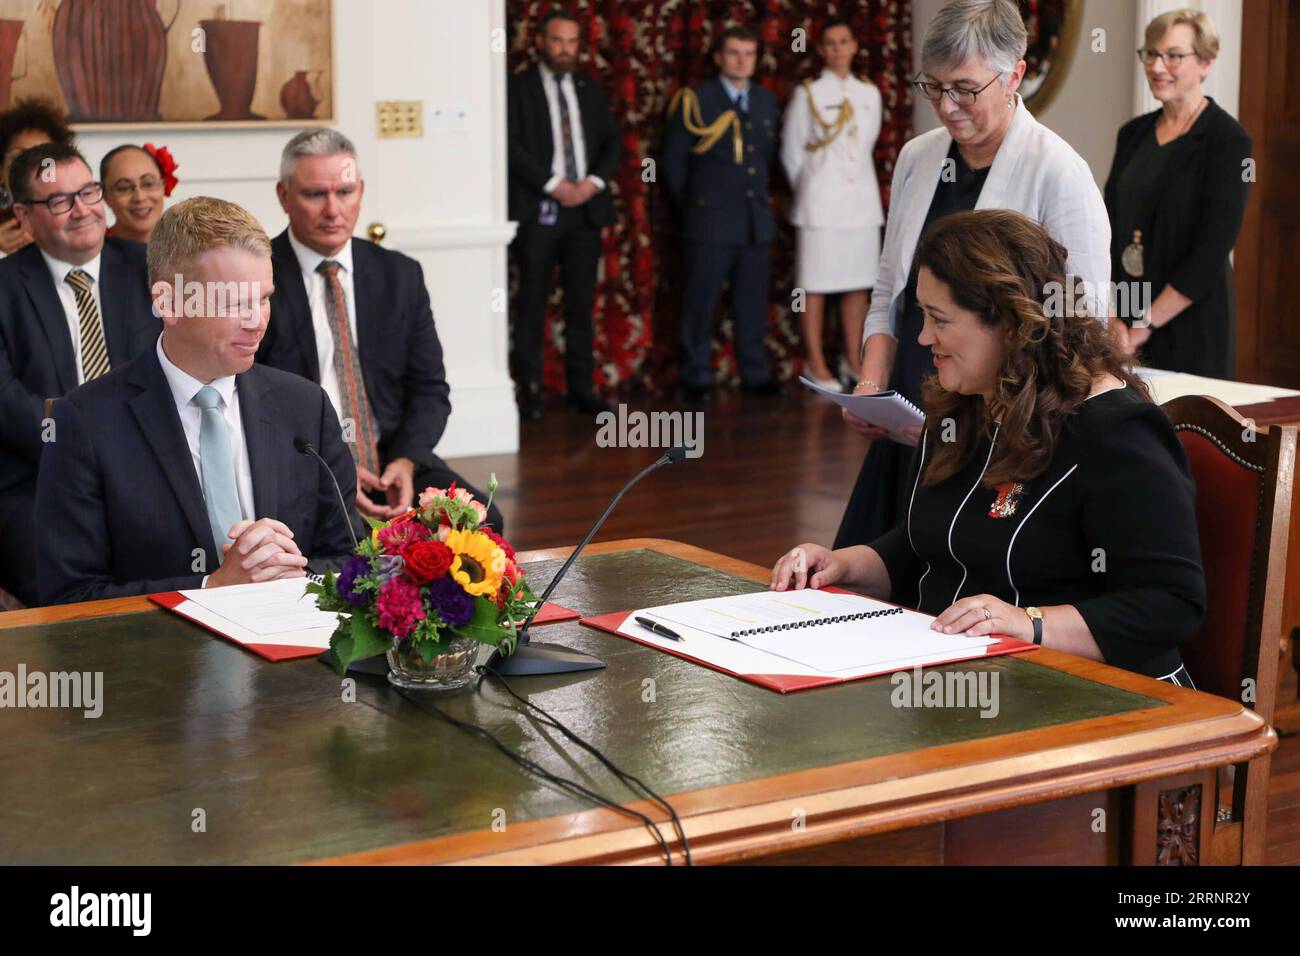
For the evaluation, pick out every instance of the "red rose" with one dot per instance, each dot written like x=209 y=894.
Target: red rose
x=426 y=560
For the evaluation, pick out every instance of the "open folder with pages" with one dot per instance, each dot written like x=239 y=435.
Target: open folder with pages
x=793 y=640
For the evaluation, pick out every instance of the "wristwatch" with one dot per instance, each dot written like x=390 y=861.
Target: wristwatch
x=1036 y=616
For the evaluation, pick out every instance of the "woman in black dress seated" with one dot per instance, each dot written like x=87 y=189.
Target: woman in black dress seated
x=1046 y=482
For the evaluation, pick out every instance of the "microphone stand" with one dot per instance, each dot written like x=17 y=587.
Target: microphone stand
x=530 y=657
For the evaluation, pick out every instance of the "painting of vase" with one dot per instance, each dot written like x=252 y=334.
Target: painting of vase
x=10 y=32
x=138 y=63
x=231 y=59
x=110 y=56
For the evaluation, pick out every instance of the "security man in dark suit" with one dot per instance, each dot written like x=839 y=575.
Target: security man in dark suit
x=356 y=319
x=720 y=137
x=73 y=305
x=564 y=150
x=180 y=468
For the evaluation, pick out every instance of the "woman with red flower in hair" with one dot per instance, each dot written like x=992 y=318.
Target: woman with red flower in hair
x=137 y=180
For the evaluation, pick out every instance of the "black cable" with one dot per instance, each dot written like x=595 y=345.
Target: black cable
x=570 y=786
x=627 y=778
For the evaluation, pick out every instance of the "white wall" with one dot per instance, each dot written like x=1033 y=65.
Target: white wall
x=442 y=197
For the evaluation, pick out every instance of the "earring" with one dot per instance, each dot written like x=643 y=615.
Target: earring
x=1011 y=102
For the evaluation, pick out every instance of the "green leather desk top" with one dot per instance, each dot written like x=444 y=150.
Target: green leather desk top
x=284 y=770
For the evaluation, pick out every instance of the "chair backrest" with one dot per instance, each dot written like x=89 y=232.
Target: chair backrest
x=1243 y=477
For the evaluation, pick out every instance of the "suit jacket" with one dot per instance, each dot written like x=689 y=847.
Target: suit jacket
x=401 y=357
x=37 y=360
x=121 y=508
x=721 y=200
x=532 y=147
x=1192 y=226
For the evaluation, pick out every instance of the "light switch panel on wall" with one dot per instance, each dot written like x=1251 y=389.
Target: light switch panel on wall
x=399 y=119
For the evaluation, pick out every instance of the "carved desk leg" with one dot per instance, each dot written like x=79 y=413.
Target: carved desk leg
x=1172 y=820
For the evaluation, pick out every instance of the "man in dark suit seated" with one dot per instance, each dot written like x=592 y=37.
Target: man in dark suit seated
x=178 y=469
x=716 y=151
x=564 y=150
x=72 y=306
x=356 y=319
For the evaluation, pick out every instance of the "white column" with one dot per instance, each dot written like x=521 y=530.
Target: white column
x=1224 y=81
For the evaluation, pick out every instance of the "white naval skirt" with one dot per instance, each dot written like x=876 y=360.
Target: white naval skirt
x=837 y=260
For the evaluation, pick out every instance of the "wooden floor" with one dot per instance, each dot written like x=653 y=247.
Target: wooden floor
x=773 y=473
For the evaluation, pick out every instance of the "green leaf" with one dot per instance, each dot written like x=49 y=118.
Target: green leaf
x=375 y=523
x=369 y=640
x=483 y=626
x=355 y=639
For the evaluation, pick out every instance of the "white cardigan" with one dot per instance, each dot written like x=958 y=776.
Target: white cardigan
x=1035 y=172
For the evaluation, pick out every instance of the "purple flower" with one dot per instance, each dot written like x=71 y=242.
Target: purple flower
x=387 y=567
x=355 y=567
x=449 y=599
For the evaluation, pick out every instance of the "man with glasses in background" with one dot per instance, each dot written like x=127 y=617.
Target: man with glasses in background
x=73 y=305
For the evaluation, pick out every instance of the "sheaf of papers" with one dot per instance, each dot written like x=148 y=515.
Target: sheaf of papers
x=887 y=409
x=277 y=612
x=893 y=641
x=1166 y=386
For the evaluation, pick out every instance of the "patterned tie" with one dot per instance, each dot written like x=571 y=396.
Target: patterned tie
x=347 y=366
x=566 y=131
x=220 y=493
x=94 y=350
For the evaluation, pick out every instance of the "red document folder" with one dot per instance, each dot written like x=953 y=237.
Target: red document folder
x=783 y=683
x=177 y=602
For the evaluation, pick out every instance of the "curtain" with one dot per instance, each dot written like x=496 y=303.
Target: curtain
x=642 y=52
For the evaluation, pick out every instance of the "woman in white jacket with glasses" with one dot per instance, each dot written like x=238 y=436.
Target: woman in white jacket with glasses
x=990 y=153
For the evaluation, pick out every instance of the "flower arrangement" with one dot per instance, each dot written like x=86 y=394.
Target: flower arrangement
x=426 y=578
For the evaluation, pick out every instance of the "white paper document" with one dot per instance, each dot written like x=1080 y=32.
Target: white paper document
x=1166 y=386
x=819 y=631
x=277 y=612
x=886 y=409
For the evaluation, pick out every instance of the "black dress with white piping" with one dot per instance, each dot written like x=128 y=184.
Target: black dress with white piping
x=1109 y=527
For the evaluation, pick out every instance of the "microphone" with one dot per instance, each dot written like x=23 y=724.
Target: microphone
x=304 y=447
x=530 y=658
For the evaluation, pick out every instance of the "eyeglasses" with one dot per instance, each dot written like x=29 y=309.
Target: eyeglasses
x=124 y=187
x=959 y=95
x=1148 y=56
x=59 y=203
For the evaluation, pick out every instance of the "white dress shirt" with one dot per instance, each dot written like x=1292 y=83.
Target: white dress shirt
x=835 y=186
x=184 y=387
x=59 y=272
x=1035 y=173
x=557 y=134
x=308 y=261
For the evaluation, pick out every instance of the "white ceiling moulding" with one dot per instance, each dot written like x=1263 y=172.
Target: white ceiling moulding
x=1224 y=81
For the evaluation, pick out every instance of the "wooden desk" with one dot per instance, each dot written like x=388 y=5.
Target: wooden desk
x=1083 y=764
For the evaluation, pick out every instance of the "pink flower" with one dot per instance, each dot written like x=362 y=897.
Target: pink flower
x=430 y=493
x=400 y=606
x=400 y=533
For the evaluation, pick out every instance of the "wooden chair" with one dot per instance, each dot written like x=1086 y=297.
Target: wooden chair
x=1243 y=510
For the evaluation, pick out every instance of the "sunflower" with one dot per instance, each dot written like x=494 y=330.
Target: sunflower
x=479 y=562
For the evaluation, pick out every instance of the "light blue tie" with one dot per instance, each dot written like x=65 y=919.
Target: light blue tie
x=219 y=490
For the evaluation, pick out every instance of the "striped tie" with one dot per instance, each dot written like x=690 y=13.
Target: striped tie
x=347 y=366
x=566 y=131
x=94 y=350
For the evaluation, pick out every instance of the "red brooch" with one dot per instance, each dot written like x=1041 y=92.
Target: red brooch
x=1004 y=506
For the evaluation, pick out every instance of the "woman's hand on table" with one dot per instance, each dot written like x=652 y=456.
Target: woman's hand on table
x=809 y=565
x=982 y=615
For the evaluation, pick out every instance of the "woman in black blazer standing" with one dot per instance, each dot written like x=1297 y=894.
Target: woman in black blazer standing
x=1176 y=196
